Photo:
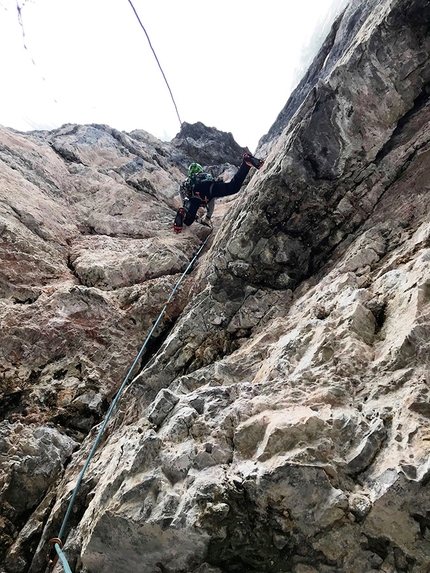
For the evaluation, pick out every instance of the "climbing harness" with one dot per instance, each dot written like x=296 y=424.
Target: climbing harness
x=56 y=543
x=189 y=184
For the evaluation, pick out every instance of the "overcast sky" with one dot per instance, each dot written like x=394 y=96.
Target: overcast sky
x=230 y=64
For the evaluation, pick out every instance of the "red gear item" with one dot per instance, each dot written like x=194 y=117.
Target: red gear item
x=179 y=219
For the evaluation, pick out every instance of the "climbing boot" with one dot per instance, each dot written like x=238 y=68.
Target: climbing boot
x=179 y=219
x=253 y=161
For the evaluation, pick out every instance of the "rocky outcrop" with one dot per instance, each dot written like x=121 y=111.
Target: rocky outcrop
x=346 y=32
x=207 y=145
x=83 y=246
x=88 y=260
x=282 y=423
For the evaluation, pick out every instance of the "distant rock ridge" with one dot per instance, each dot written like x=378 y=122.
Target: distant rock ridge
x=208 y=145
x=280 y=419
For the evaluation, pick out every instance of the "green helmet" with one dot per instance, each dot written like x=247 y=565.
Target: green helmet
x=194 y=168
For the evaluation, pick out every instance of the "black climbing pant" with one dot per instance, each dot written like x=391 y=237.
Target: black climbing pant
x=208 y=190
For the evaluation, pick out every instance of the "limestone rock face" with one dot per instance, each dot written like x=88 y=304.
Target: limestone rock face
x=282 y=423
x=88 y=260
x=82 y=250
x=208 y=146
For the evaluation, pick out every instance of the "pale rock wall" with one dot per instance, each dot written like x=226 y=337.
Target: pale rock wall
x=88 y=260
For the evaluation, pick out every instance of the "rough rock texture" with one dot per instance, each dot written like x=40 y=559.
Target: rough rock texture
x=208 y=145
x=283 y=423
x=346 y=31
x=88 y=260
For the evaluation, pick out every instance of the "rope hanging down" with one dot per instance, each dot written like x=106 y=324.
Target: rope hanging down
x=24 y=41
x=155 y=55
x=21 y=23
x=56 y=542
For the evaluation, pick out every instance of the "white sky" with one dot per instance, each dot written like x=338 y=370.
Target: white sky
x=229 y=63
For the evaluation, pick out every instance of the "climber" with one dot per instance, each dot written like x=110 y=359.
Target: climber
x=202 y=189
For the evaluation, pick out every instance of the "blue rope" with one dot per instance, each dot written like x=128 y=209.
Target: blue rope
x=112 y=407
x=63 y=559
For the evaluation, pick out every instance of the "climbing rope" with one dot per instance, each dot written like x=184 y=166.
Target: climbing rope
x=56 y=553
x=21 y=23
x=19 y=8
x=155 y=55
x=24 y=42
x=63 y=559
x=56 y=542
